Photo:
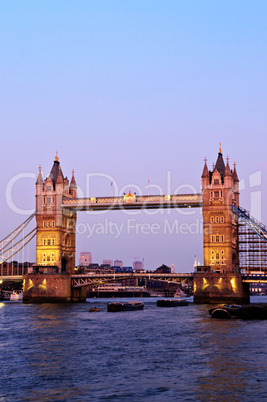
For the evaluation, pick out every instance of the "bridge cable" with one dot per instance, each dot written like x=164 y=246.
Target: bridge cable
x=257 y=227
x=9 y=238
x=17 y=246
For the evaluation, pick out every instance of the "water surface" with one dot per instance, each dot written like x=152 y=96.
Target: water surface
x=61 y=352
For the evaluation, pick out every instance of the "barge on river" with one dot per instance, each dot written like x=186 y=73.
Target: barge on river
x=127 y=306
x=115 y=290
x=172 y=302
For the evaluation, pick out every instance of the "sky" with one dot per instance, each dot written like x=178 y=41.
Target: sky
x=136 y=93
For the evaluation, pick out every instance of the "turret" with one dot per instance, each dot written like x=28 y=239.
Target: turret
x=205 y=175
x=39 y=181
x=73 y=186
x=66 y=187
x=39 y=191
x=228 y=177
x=220 y=166
x=236 y=186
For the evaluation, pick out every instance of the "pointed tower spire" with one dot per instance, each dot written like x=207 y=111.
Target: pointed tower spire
x=59 y=176
x=205 y=175
x=56 y=171
x=220 y=149
x=220 y=166
x=235 y=177
x=73 y=182
x=227 y=171
x=39 y=177
x=73 y=186
x=205 y=172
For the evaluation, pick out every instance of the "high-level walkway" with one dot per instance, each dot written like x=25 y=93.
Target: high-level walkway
x=132 y=201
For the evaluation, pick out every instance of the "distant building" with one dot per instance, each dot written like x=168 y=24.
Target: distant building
x=163 y=269
x=109 y=262
x=85 y=258
x=172 y=268
x=138 y=266
x=96 y=269
x=118 y=263
x=16 y=268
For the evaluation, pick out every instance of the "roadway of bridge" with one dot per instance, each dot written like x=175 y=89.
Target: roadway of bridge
x=134 y=202
x=11 y=277
x=86 y=280
x=254 y=278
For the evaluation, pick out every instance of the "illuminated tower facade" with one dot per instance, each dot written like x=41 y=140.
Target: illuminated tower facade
x=220 y=190
x=55 y=243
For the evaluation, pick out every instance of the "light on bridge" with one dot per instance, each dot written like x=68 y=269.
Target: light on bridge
x=205 y=284
x=233 y=284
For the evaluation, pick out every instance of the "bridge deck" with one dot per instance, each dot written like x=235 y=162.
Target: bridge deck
x=132 y=201
x=85 y=280
x=254 y=278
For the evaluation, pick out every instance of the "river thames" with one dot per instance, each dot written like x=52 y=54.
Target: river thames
x=61 y=352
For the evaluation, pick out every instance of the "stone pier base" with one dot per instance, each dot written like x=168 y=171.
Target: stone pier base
x=41 y=288
x=226 y=288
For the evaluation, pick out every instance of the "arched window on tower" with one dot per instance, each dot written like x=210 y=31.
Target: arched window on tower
x=212 y=260
x=216 y=195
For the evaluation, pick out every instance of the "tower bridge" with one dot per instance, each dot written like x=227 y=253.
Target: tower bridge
x=228 y=247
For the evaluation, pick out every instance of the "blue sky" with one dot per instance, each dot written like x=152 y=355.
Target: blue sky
x=138 y=91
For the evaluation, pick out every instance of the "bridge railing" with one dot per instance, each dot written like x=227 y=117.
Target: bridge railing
x=132 y=200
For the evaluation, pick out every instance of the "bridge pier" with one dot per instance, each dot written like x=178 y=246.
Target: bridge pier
x=78 y=294
x=41 y=288
x=227 y=288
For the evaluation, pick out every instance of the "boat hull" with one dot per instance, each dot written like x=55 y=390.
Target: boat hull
x=131 y=306
x=172 y=303
x=246 y=312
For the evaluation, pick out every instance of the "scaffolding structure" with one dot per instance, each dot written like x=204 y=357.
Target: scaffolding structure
x=252 y=243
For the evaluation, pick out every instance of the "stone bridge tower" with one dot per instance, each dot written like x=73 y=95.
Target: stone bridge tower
x=219 y=279
x=55 y=244
x=220 y=190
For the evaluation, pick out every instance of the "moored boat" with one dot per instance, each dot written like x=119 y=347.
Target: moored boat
x=16 y=295
x=127 y=306
x=179 y=293
x=172 y=302
x=246 y=312
x=111 y=290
